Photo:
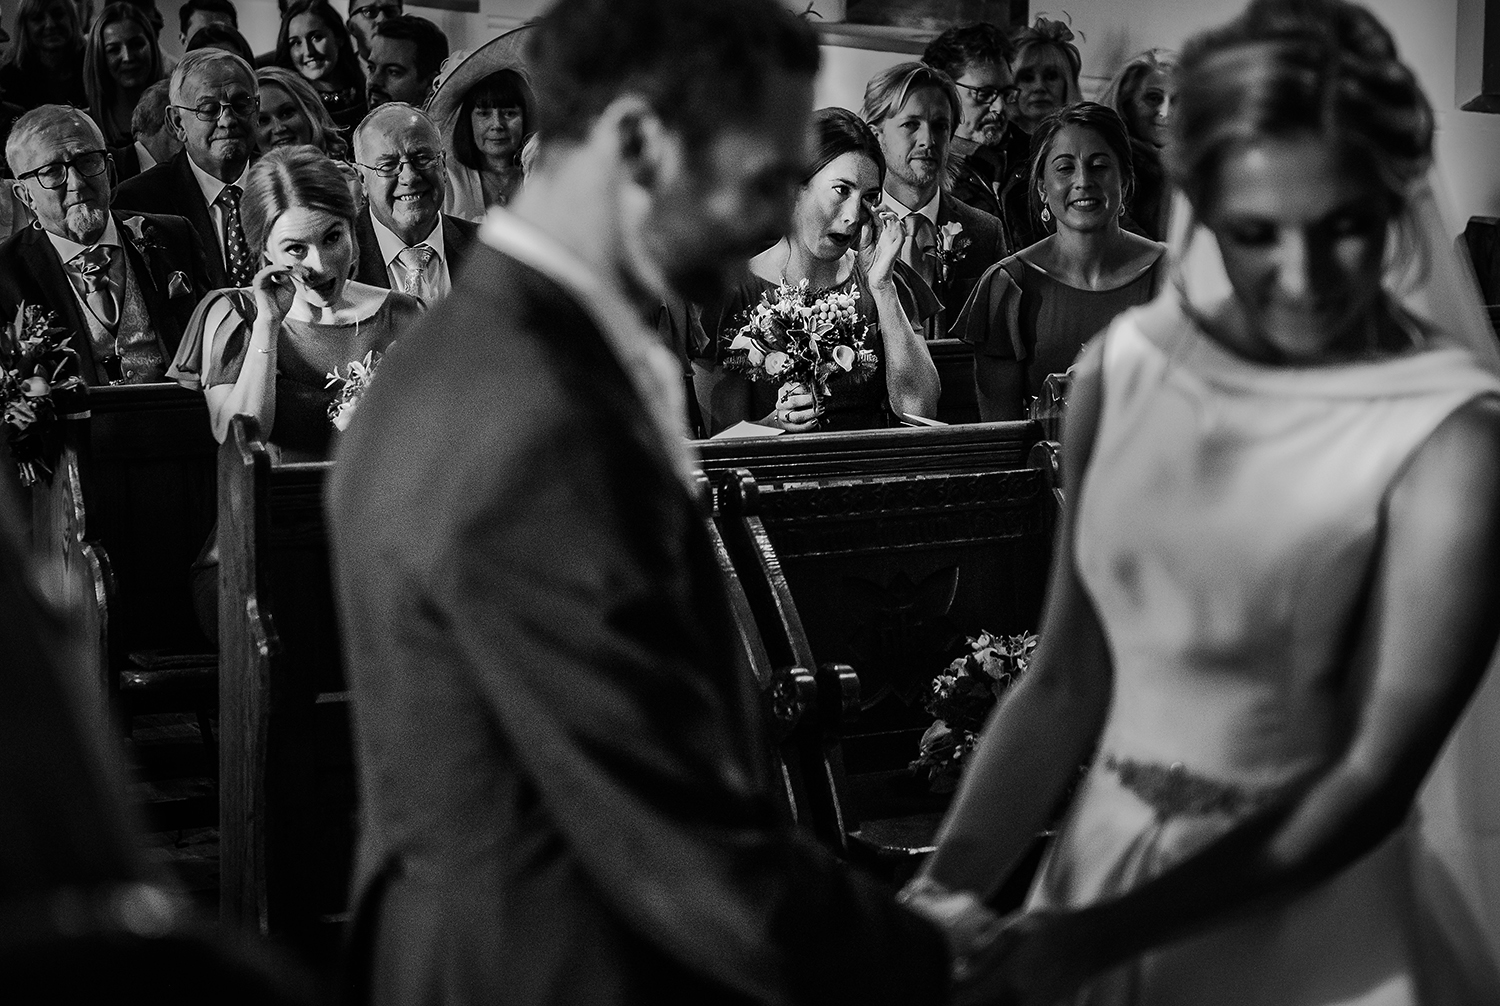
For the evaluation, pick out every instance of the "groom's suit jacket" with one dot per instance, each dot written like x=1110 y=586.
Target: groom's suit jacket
x=561 y=797
x=167 y=262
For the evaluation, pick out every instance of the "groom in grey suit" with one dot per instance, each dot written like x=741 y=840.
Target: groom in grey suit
x=562 y=801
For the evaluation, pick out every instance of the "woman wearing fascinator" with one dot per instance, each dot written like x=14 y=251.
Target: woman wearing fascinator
x=1046 y=73
x=1276 y=582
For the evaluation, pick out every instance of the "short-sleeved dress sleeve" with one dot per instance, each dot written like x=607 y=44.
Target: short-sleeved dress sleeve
x=221 y=324
x=991 y=320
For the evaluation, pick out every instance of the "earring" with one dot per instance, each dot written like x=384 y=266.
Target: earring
x=1046 y=213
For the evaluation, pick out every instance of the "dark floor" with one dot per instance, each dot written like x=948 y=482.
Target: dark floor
x=174 y=785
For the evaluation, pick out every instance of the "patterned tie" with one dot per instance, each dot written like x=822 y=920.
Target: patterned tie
x=93 y=264
x=920 y=248
x=236 y=249
x=415 y=260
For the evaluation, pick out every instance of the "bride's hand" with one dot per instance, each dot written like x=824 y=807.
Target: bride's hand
x=888 y=242
x=968 y=925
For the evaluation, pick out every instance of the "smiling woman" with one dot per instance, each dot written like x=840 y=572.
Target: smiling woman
x=45 y=63
x=315 y=44
x=1031 y=314
x=121 y=60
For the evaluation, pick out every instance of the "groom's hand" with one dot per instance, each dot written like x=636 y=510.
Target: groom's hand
x=1034 y=959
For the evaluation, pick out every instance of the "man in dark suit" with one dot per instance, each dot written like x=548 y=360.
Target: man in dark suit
x=562 y=800
x=406 y=241
x=213 y=104
x=977 y=58
x=122 y=284
x=914 y=110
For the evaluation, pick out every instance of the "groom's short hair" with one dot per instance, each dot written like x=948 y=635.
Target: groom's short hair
x=699 y=64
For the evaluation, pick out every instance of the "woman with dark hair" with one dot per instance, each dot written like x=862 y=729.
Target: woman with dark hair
x=314 y=43
x=45 y=63
x=1045 y=71
x=484 y=108
x=266 y=351
x=1032 y=312
x=1142 y=93
x=120 y=60
x=840 y=241
x=1276 y=581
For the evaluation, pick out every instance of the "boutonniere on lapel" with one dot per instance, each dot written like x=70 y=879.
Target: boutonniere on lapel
x=952 y=245
x=146 y=242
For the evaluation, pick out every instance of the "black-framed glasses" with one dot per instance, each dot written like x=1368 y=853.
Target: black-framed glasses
x=209 y=111
x=987 y=94
x=371 y=11
x=89 y=164
x=390 y=167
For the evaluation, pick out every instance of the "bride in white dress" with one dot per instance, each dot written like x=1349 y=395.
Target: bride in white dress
x=1277 y=580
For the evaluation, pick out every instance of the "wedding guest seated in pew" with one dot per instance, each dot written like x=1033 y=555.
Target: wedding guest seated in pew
x=977 y=57
x=914 y=111
x=266 y=350
x=124 y=285
x=1031 y=314
x=152 y=140
x=212 y=109
x=406 y=241
x=841 y=243
x=120 y=60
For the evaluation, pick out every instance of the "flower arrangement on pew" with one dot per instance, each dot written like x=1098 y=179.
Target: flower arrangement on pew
x=961 y=700
x=37 y=366
x=794 y=338
x=351 y=387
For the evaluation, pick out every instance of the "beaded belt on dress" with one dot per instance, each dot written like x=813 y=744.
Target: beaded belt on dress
x=1176 y=791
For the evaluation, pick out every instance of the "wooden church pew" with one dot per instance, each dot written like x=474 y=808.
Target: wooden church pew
x=958 y=401
x=287 y=792
x=885 y=574
x=116 y=531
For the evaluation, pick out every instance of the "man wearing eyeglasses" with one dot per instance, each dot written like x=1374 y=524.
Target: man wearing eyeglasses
x=213 y=104
x=365 y=16
x=977 y=57
x=406 y=241
x=122 y=284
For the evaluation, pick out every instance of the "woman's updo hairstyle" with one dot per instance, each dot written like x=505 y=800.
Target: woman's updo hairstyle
x=1059 y=35
x=838 y=132
x=1289 y=68
x=1090 y=115
x=288 y=177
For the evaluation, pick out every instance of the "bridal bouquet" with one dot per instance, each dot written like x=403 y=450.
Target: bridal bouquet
x=793 y=337
x=961 y=700
x=352 y=384
x=36 y=366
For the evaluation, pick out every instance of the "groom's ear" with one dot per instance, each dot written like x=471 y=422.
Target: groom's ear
x=644 y=145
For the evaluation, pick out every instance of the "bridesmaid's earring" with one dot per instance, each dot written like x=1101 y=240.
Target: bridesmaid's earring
x=1046 y=214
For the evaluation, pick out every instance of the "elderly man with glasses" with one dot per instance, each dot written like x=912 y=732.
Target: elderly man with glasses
x=213 y=103
x=406 y=242
x=122 y=284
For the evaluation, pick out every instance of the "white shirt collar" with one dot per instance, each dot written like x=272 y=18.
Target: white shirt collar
x=930 y=211
x=143 y=156
x=391 y=245
x=212 y=186
x=68 y=250
x=652 y=369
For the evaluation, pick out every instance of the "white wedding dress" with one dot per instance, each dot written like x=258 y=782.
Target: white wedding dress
x=1228 y=520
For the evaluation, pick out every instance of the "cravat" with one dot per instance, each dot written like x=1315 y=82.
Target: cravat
x=236 y=249
x=921 y=244
x=93 y=265
x=415 y=260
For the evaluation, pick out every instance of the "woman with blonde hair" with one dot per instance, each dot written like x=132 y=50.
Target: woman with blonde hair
x=291 y=114
x=1142 y=93
x=120 y=60
x=1045 y=72
x=45 y=63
